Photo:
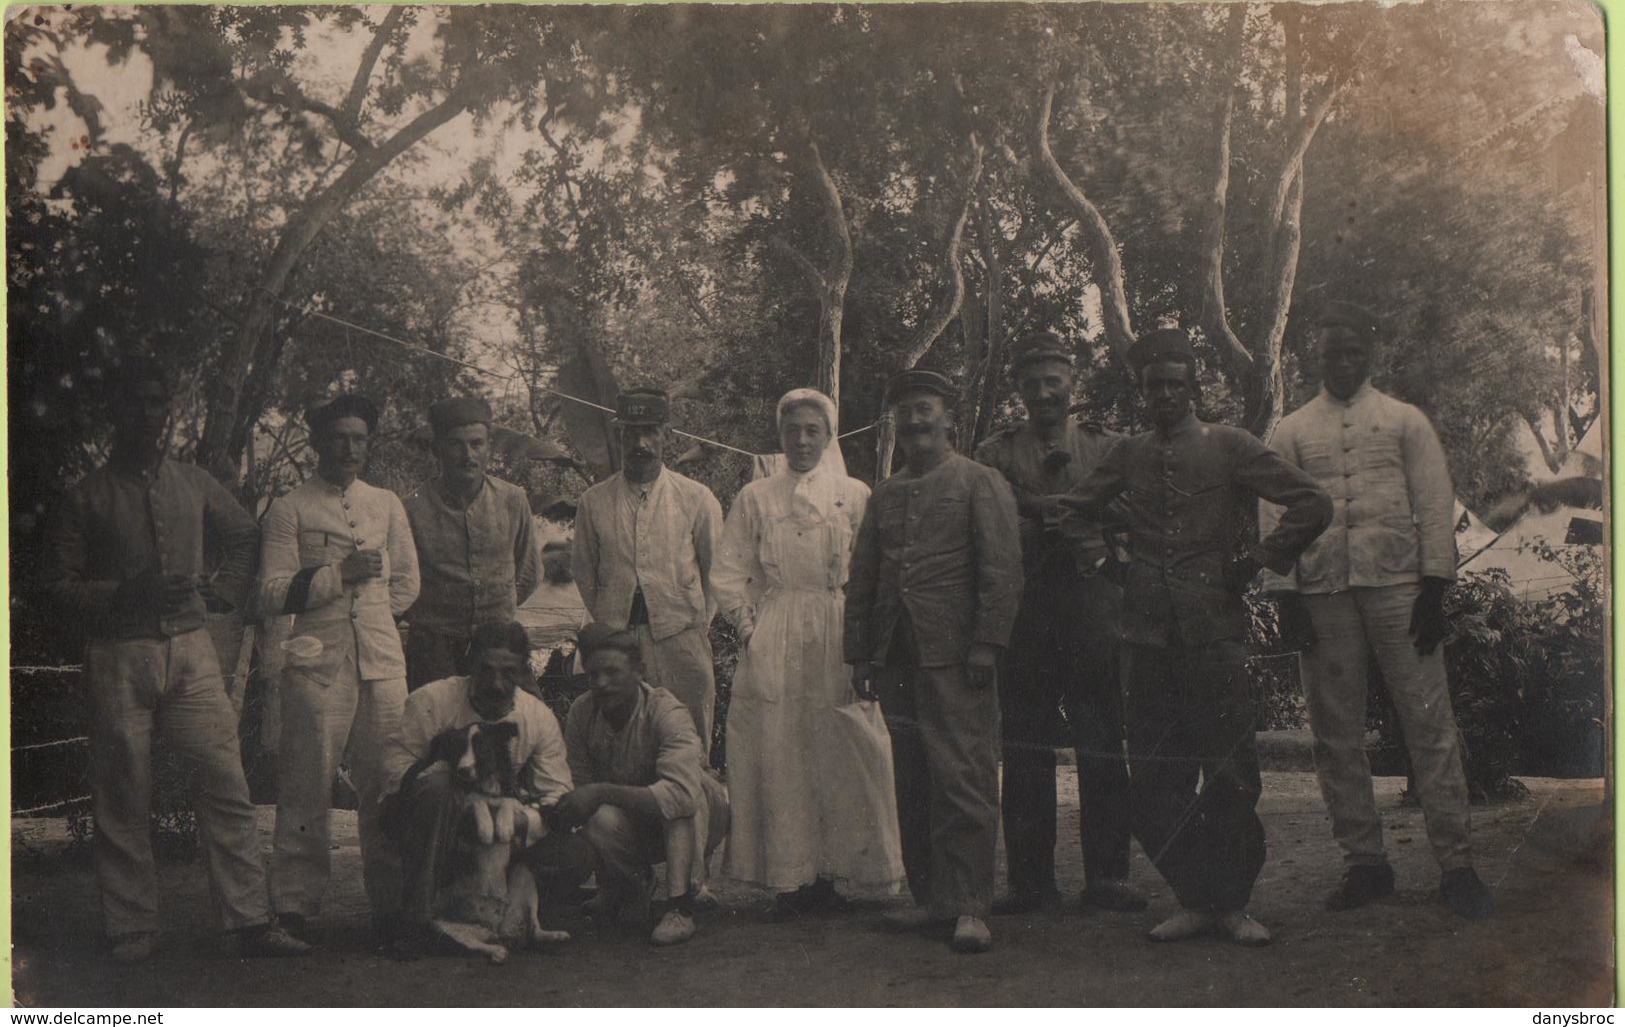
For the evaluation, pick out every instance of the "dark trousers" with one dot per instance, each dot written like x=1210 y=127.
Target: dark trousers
x=432 y=654
x=1190 y=717
x=423 y=821
x=1064 y=651
x=945 y=753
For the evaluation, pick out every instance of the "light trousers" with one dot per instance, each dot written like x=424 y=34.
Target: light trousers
x=175 y=685
x=627 y=845
x=1348 y=626
x=329 y=714
x=682 y=666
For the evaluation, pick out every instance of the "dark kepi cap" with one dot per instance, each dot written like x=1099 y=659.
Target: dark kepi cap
x=598 y=636
x=458 y=411
x=1338 y=314
x=642 y=406
x=351 y=404
x=1038 y=346
x=1159 y=345
x=915 y=380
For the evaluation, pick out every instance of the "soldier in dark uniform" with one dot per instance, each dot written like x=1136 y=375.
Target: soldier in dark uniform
x=1063 y=650
x=1187 y=488
x=932 y=593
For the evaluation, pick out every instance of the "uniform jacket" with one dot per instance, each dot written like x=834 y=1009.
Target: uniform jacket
x=118 y=524
x=1189 y=496
x=659 y=537
x=945 y=549
x=1047 y=534
x=308 y=532
x=1393 y=507
x=658 y=749
x=476 y=566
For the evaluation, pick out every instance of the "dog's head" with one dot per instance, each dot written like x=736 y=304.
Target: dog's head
x=486 y=765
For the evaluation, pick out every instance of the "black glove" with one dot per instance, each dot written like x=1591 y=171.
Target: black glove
x=1297 y=627
x=1427 y=616
x=1239 y=572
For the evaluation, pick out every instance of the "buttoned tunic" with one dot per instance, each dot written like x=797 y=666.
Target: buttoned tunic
x=476 y=565
x=1189 y=495
x=120 y=523
x=1031 y=467
x=658 y=537
x=944 y=548
x=1392 y=502
x=308 y=533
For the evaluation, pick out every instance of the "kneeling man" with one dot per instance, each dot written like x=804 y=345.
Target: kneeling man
x=641 y=787
x=450 y=802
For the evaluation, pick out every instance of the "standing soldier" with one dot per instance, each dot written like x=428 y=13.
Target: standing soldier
x=476 y=544
x=1375 y=583
x=125 y=559
x=1189 y=490
x=1063 y=649
x=642 y=557
x=337 y=555
x=931 y=597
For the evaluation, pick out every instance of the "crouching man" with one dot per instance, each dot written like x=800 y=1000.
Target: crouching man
x=641 y=787
x=452 y=800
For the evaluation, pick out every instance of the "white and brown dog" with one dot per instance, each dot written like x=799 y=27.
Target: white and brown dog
x=491 y=905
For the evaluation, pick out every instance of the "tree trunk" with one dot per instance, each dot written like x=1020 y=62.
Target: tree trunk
x=938 y=320
x=1098 y=241
x=828 y=284
x=231 y=405
x=993 y=326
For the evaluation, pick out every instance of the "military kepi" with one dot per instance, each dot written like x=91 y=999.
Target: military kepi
x=915 y=380
x=1159 y=345
x=1338 y=314
x=458 y=411
x=351 y=404
x=642 y=406
x=1036 y=347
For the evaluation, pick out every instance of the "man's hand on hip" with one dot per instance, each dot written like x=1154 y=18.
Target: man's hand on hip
x=981 y=665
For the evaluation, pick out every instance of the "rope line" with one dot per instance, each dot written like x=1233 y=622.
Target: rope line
x=50 y=805
x=414 y=347
x=50 y=745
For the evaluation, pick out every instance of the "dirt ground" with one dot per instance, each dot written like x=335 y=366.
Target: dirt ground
x=1547 y=856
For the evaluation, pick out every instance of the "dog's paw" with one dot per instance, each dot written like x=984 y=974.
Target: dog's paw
x=550 y=937
x=499 y=955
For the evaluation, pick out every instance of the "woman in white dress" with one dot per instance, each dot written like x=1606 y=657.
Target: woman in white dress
x=809 y=766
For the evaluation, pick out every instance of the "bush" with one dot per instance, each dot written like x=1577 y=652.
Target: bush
x=1526 y=678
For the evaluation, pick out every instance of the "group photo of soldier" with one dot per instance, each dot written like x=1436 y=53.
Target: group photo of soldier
x=909 y=517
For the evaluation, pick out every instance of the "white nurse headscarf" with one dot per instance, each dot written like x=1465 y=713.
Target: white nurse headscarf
x=824 y=484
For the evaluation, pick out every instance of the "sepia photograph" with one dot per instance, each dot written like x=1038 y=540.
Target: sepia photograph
x=809 y=505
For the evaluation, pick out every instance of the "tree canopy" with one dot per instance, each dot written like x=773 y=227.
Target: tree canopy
x=733 y=201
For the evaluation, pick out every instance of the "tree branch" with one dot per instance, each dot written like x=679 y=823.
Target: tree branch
x=1215 y=316
x=841 y=271
x=1300 y=146
x=937 y=322
x=292 y=99
x=351 y=110
x=815 y=276
x=1098 y=238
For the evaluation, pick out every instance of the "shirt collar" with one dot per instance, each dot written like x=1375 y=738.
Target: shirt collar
x=1360 y=395
x=1180 y=430
x=653 y=488
x=331 y=489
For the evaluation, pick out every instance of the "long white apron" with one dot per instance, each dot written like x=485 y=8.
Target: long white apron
x=809 y=767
